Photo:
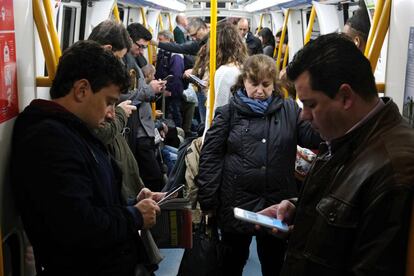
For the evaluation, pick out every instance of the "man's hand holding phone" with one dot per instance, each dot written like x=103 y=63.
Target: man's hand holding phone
x=147 y=193
x=284 y=211
x=148 y=209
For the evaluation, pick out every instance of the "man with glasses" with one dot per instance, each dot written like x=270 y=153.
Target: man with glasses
x=141 y=124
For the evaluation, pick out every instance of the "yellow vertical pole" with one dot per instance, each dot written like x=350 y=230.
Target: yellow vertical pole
x=379 y=35
x=170 y=22
x=144 y=22
x=285 y=58
x=52 y=29
x=375 y=20
x=161 y=24
x=116 y=13
x=50 y=57
x=260 y=23
x=213 y=41
x=310 y=25
x=282 y=39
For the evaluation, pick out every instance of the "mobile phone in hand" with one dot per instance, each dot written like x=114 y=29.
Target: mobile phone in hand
x=167 y=78
x=260 y=219
x=170 y=194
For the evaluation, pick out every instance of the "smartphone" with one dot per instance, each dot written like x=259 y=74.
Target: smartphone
x=170 y=194
x=260 y=219
x=167 y=78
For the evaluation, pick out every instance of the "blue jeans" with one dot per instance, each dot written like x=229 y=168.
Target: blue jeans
x=169 y=155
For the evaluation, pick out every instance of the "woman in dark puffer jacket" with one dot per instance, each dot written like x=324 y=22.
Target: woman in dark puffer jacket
x=248 y=161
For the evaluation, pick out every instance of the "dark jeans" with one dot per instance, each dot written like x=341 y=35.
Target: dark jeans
x=271 y=252
x=149 y=167
x=173 y=108
x=188 y=113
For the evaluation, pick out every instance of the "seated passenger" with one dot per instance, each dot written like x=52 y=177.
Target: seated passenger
x=171 y=64
x=69 y=195
x=149 y=73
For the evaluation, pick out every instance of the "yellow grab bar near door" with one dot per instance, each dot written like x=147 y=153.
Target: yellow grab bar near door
x=52 y=29
x=282 y=39
x=310 y=25
x=377 y=15
x=213 y=41
x=116 y=13
x=169 y=22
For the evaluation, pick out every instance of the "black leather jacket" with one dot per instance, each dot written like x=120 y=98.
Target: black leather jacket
x=353 y=214
x=247 y=159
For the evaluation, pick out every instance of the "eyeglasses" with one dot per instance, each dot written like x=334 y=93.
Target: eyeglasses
x=194 y=34
x=141 y=46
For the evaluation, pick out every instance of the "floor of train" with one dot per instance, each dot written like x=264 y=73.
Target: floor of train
x=172 y=258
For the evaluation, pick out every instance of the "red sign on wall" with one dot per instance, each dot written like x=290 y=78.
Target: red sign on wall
x=9 y=106
x=8 y=77
x=6 y=15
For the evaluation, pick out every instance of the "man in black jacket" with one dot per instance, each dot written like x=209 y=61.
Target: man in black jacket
x=69 y=194
x=353 y=214
x=254 y=46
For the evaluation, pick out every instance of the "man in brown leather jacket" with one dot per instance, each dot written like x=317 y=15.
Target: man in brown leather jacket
x=353 y=213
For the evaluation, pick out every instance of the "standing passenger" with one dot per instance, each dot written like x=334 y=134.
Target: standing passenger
x=248 y=161
x=254 y=46
x=69 y=194
x=353 y=214
x=180 y=32
x=268 y=41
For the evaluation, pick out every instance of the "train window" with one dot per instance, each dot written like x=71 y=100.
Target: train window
x=221 y=5
x=68 y=23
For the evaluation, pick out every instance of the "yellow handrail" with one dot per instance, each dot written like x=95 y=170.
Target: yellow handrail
x=50 y=58
x=43 y=82
x=169 y=22
x=285 y=58
x=144 y=22
x=379 y=35
x=310 y=25
x=282 y=39
x=377 y=15
x=213 y=41
x=116 y=13
x=161 y=24
x=52 y=29
x=260 y=23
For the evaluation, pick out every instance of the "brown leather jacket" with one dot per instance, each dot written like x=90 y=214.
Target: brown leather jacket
x=353 y=214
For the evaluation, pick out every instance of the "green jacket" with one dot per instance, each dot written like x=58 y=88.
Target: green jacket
x=111 y=136
x=179 y=36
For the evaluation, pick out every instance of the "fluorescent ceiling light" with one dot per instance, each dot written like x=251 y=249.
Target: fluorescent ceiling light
x=263 y=4
x=170 y=4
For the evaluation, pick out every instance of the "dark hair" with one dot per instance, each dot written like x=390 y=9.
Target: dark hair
x=360 y=23
x=267 y=36
x=137 y=31
x=279 y=34
x=257 y=68
x=331 y=61
x=109 y=32
x=88 y=60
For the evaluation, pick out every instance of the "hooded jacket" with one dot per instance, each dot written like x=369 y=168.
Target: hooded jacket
x=69 y=196
x=247 y=159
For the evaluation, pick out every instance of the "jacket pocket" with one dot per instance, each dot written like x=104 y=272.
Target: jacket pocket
x=331 y=238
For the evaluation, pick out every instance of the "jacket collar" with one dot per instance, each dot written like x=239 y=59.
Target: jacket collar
x=244 y=109
x=385 y=118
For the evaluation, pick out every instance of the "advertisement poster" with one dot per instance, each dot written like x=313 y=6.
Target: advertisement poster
x=6 y=15
x=8 y=77
x=9 y=106
x=408 y=107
